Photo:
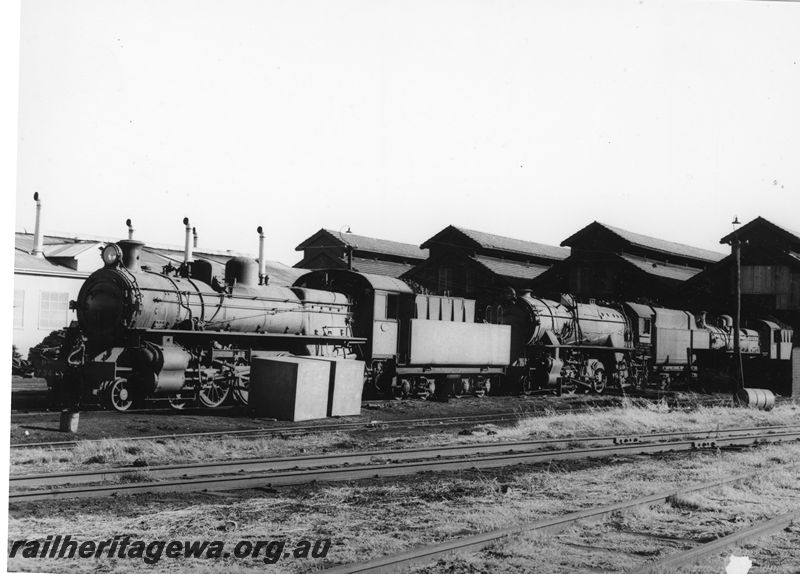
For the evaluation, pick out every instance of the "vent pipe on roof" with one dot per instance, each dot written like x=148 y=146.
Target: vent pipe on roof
x=130 y=228
x=194 y=237
x=187 y=251
x=262 y=265
x=38 y=239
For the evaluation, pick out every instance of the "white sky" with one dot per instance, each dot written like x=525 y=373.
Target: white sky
x=397 y=118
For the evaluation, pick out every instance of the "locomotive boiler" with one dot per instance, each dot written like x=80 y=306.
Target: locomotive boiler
x=565 y=344
x=186 y=335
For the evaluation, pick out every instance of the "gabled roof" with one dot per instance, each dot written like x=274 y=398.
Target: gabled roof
x=652 y=243
x=792 y=238
x=482 y=240
x=329 y=237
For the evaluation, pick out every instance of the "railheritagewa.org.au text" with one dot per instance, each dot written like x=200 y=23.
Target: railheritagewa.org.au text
x=152 y=551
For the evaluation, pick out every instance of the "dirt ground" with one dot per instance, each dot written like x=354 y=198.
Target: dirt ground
x=373 y=518
x=36 y=425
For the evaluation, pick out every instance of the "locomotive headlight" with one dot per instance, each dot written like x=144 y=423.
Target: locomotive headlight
x=111 y=254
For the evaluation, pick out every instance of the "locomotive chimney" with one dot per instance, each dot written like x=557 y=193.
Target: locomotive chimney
x=262 y=265
x=194 y=237
x=131 y=252
x=38 y=239
x=187 y=251
x=130 y=228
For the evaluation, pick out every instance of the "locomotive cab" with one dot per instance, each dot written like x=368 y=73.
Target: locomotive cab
x=417 y=343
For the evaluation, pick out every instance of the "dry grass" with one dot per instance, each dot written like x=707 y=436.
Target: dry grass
x=112 y=453
x=367 y=520
x=644 y=419
x=632 y=418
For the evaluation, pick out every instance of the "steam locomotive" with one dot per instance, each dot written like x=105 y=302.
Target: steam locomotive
x=185 y=335
x=567 y=345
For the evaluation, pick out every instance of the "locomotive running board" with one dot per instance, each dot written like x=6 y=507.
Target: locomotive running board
x=590 y=347
x=290 y=336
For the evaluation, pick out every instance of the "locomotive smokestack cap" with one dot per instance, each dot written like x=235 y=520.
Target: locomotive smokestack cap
x=131 y=254
x=38 y=234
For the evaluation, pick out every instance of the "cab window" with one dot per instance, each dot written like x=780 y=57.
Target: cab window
x=392 y=306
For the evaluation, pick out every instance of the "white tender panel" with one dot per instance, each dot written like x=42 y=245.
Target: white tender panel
x=467 y=344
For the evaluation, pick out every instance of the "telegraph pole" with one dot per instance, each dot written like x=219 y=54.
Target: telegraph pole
x=737 y=318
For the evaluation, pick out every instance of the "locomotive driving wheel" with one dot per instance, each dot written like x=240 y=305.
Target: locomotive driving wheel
x=118 y=395
x=239 y=380
x=599 y=381
x=213 y=390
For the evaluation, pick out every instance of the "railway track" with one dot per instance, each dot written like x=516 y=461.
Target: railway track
x=291 y=429
x=257 y=473
x=427 y=554
x=345 y=426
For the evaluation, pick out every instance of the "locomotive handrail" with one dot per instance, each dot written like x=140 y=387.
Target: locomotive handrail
x=598 y=347
x=202 y=300
x=356 y=340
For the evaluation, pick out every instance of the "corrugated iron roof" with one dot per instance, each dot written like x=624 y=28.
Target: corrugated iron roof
x=513 y=269
x=153 y=256
x=666 y=270
x=24 y=241
x=379 y=267
x=69 y=249
x=660 y=245
x=26 y=262
x=365 y=244
x=508 y=244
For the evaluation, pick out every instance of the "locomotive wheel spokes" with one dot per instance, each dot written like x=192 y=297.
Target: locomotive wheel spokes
x=599 y=381
x=119 y=395
x=525 y=385
x=213 y=391
x=239 y=378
